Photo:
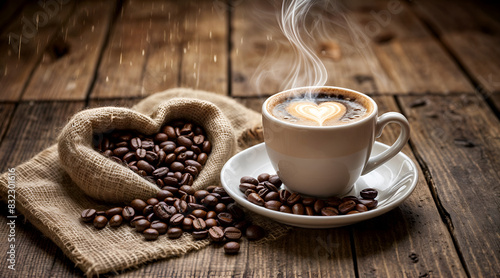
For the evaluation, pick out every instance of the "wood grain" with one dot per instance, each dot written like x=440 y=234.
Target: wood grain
x=68 y=65
x=204 y=47
x=397 y=243
x=6 y=112
x=22 y=45
x=134 y=38
x=34 y=127
x=457 y=139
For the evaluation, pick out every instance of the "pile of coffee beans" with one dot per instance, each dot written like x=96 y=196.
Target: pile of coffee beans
x=172 y=157
x=209 y=213
x=265 y=191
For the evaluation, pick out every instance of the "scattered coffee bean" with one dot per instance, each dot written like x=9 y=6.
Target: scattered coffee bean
x=216 y=234
x=116 y=221
x=150 y=234
x=255 y=232
x=174 y=233
x=232 y=233
x=265 y=191
x=88 y=215
x=232 y=247
x=100 y=221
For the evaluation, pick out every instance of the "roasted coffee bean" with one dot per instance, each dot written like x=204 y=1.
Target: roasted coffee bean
x=198 y=139
x=211 y=222
x=100 y=213
x=361 y=208
x=298 y=208
x=135 y=219
x=274 y=179
x=150 y=234
x=188 y=189
x=115 y=221
x=116 y=159
x=370 y=203
x=181 y=206
x=263 y=192
x=152 y=201
x=194 y=163
x=170 y=131
x=272 y=196
x=151 y=217
x=255 y=232
x=174 y=233
x=284 y=195
x=347 y=206
x=170 y=201
x=179 y=150
x=319 y=205
x=232 y=248
x=145 y=166
x=162 y=194
x=235 y=211
x=187 y=224
x=250 y=180
x=263 y=177
x=141 y=225
x=210 y=200
x=148 y=210
x=160 y=173
x=216 y=234
x=163 y=211
x=245 y=186
x=232 y=233
x=188 y=199
x=88 y=215
x=250 y=191
x=211 y=214
x=294 y=198
x=151 y=157
x=270 y=186
x=138 y=205
x=329 y=211
x=199 y=224
x=161 y=227
x=176 y=219
x=273 y=205
x=309 y=211
x=199 y=213
x=186 y=179
x=219 y=190
x=121 y=151
x=148 y=144
x=100 y=221
x=368 y=193
x=285 y=209
x=161 y=137
x=220 y=207
x=170 y=181
x=225 y=218
x=129 y=157
x=201 y=194
x=333 y=202
x=202 y=158
x=198 y=235
x=135 y=143
x=255 y=199
x=308 y=201
x=140 y=153
x=195 y=206
x=121 y=144
x=108 y=153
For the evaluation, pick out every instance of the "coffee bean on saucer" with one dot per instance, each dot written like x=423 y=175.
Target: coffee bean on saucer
x=368 y=193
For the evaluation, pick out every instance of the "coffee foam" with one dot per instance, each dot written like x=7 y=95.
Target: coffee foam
x=325 y=111
x=304 y=99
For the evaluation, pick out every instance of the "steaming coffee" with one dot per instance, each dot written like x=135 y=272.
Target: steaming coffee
x=320 y=109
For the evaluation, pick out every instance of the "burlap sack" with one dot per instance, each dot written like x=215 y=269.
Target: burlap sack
x=106 y=180
x=52 y=201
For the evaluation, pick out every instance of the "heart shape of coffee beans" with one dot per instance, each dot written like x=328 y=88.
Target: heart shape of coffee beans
x=325 y=111
x=172 y=157
x=154 y=145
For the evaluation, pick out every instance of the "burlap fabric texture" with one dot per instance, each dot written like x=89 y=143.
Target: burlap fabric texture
x=55 y=186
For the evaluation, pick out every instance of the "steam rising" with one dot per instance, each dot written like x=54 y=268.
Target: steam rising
x=307 y=69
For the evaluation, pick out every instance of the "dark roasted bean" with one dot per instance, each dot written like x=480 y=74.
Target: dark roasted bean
x=216 y=234
x=199 y=224
x=347 y=206
x=115 y=221
x=161 y=227
x=285 y=209
x=174 y=233
x=329 y=211
x=255 y=232
x=255 y=199
x=88 y=215
x=100 y=221
x=225 y=218
x=369 y=193
x=151 y=234
x=198 y=235
x=273 y=205
x=232 y=233
x=141 y=225
x=298 y=208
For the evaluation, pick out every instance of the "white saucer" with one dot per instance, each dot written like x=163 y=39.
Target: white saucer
x=395 y=181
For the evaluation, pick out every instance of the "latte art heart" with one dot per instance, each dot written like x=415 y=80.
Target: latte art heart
x=325 y=111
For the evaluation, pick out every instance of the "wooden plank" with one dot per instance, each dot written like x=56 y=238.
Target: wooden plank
x=68 y=65
x=23 y=43
x=144 y=31
x=6 y=111
x=422 y=66
x=204 y=47
x=34 y=127
x=398 y=243
x=8 y=10
x=302 y=253
x=457 y=138
x=262 y=57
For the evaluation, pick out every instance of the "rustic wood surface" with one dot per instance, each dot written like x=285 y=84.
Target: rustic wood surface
x=437 y=63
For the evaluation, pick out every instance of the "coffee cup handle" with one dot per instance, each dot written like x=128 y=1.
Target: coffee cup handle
x=404 y=135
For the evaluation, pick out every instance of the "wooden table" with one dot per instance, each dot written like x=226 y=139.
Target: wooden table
x=437 y=63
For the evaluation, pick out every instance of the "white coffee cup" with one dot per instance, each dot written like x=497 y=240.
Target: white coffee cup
x=326 y=161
